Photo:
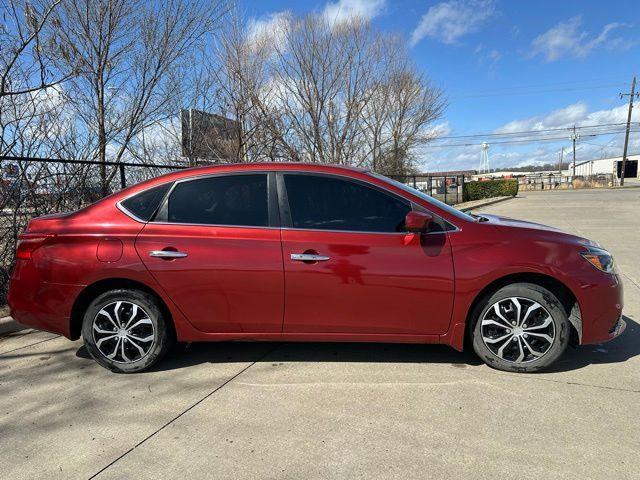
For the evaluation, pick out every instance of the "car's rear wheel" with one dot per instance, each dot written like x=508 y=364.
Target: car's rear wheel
x=521 y=327
x=126 y=331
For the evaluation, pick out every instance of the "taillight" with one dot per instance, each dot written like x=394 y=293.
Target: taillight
x=29 y=243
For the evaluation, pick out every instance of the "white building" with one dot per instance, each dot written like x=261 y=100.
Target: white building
x=611 y=165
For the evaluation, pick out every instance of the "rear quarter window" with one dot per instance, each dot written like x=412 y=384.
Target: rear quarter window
x=144 y=204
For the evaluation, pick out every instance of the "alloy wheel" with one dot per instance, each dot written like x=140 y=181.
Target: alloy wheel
x=123 y=332
x=518 y=330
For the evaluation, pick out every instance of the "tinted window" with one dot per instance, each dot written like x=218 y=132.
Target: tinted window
x=225 y=200
x=329 y=203
x=424 y=196
x=143 y=205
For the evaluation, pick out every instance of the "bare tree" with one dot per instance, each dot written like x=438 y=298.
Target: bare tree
x=397 y=118
x=128 y=54
x=26 y=58
x=320 y=91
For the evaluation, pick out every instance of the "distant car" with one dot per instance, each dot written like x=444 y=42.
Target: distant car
x=296 y=252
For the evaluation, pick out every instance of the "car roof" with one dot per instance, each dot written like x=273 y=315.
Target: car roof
x=243 y=167
x=304 y=166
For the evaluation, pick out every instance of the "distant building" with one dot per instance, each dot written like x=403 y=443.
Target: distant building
x=611 y=165
x=601 y=166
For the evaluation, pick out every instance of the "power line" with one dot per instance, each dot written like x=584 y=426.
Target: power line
x=532 y=132
x=501 y=93
x=525 y=140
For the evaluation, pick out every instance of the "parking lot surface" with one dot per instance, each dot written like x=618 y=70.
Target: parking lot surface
x=302 y=411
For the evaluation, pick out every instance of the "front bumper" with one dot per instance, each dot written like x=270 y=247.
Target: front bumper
x=618 y=328
x=601 y=305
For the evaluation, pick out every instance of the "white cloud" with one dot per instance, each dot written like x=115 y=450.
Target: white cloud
x=567 y=40
x=559 y=118
x=449 y=21
x=513 y=155
x=486 y=55
x=343 y=10
x=271 y=27
x=575 y=114
x=439 y=130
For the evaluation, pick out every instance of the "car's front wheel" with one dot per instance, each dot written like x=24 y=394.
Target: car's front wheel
x=521 y=327
x=126 y=331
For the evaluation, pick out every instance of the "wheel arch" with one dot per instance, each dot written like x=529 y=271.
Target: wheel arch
x=91 y=291
x=558 y=288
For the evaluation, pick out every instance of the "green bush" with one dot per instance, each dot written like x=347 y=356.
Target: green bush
x=489 y=189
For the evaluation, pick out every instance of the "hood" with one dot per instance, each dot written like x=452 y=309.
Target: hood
x=505 y=222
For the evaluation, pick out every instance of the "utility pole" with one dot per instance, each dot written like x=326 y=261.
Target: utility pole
x=574 y=137
x=626 y=135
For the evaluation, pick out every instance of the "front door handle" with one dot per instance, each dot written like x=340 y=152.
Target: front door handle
x=309 y=257
x=167 y=254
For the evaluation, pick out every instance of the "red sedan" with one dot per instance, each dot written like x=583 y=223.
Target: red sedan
x=295 y=252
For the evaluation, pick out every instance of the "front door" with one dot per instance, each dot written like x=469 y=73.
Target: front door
x=216 y=252
x=351 y=268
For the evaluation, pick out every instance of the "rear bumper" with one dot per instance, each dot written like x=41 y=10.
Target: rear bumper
x=41 y=305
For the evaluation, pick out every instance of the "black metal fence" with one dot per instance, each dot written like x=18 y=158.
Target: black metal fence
x=31 y=187
x=446 y=188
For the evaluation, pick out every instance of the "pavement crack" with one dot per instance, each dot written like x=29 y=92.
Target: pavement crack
x=30 y=345
x=604 y=387
x=188 y=409
x=631 y=280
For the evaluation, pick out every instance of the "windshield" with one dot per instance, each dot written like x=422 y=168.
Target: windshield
x=424 y=196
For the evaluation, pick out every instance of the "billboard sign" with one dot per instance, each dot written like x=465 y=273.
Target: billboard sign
x=207 y=135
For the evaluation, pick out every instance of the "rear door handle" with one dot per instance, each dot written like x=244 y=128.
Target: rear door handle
x=309 y=257
x=167 y=254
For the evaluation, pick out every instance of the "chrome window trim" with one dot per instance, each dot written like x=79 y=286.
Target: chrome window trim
x=124 y=210
x=216 y=225
x=366 y=232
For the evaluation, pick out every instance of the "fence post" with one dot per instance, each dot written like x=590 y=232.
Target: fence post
x=445 y=189
x=415 y=185
x=123 y=180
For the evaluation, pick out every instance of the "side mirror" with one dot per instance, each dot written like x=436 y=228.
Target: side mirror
x=417 y=222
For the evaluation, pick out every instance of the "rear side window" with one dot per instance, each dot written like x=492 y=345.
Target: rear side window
x=144 y=204
x=238 y=200
x=329 y=203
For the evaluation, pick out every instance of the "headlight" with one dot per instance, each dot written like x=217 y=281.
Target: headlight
x=599 y=258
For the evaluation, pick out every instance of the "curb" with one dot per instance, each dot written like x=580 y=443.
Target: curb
x=9 y=325
x=466 y=206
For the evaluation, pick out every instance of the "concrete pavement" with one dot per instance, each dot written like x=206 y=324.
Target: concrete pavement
x=339 y=410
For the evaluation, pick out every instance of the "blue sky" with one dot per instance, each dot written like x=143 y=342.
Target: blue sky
x=508 y=66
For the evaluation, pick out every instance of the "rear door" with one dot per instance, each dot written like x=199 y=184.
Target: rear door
x=214 y=247
x=350 y=266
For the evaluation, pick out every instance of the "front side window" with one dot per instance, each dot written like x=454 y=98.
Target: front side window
x=329 y=203
x=144 y=204
x=238 y=200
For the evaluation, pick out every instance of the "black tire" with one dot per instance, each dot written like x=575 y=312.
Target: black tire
x=148 y=320
x=559 y=329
